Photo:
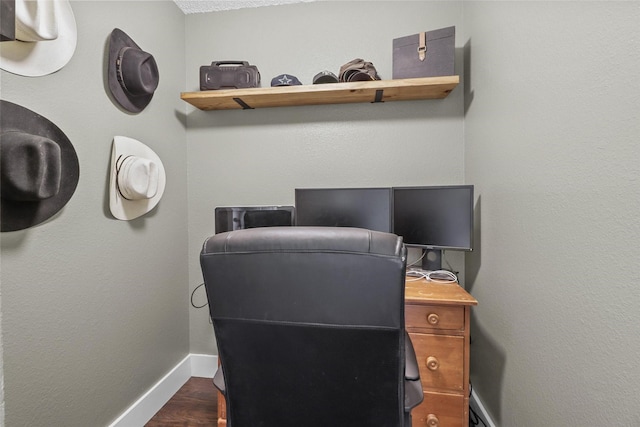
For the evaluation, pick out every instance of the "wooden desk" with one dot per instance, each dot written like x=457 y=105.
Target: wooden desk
x=437 y=317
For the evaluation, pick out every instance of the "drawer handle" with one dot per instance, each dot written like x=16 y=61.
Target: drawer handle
x=433 y=319
x=432 y=421
x=432 y=363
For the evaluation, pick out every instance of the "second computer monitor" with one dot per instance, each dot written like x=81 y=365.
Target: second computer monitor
x=368 y=208
x=434 y=218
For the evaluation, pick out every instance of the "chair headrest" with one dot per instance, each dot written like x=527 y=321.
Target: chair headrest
x=305 y=239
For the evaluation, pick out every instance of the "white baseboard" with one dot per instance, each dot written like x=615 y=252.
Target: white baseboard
x=203 y=365
x=194 y=365
x=477 y=406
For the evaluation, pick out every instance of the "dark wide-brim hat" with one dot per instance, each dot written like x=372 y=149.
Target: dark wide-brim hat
x=39 y=168
x=132 y=73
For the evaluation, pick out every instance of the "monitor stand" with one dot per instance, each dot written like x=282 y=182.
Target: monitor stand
x=432 y=259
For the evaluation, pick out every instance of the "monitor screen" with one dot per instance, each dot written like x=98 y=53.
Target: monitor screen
x=434 y=217
x=239 y=218
x=344 y=207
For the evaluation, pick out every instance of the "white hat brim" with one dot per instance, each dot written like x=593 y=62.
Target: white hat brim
x=34 y=59
x=120 y=207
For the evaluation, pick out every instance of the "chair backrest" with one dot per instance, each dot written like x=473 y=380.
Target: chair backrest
x=309 y=323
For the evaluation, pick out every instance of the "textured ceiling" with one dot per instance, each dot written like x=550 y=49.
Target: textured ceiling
x=202 y=6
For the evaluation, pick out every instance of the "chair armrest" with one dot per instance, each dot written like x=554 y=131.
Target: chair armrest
x=411 y=371
x=218 y=380
x=413 y=394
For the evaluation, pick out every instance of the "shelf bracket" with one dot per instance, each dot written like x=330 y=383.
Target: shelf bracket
x=243 y=104
x=379 y=94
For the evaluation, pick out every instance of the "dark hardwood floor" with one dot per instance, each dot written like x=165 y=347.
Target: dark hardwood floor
x=194 y=404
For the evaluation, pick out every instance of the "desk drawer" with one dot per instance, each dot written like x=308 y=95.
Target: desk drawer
x=439 y=410
x=434 y=317
x=440 y=361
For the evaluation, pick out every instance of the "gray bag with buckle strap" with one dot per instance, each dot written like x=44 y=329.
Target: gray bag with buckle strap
x=426 y=54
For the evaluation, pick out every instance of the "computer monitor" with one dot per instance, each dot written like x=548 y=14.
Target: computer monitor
x=434 y=219
x=368 y=208
x=239 y=218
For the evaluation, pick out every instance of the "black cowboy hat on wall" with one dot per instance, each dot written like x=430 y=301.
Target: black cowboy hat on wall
x=39 y=168
x=132 y=73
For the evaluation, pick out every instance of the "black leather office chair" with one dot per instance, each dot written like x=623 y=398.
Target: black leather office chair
x=309 y=323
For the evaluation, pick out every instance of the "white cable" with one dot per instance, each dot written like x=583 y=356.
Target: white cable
x=442 y=276
x=418 y=260
x=436 y=276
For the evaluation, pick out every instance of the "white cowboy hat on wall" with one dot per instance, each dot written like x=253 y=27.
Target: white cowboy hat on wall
x=137 y=179
x=45 y=38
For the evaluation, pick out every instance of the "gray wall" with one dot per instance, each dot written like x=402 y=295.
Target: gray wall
x=256 y=157
x=551 y=143
x=95 y=310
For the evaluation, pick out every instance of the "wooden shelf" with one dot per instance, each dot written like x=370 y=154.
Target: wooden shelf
x=329 y=93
